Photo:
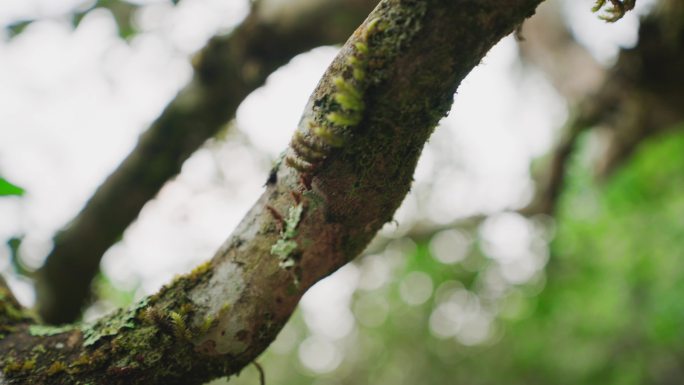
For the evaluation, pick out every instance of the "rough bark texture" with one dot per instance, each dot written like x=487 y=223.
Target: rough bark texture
x=218 y=318
x=226 y=71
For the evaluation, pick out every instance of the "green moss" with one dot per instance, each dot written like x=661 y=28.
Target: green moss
x=56 y=368
x=29 y=364
x=12 y=366
x=200 y=270
x=329 y=136
x=343 y=119
x=208 y=322
x=180 y=329
x=112 y=324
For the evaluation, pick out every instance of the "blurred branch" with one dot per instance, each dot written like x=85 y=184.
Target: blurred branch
x=226 y=71
x=549 y=46
x=550 y=182
x=637 y=98
x=218 y=318
x=645 y=87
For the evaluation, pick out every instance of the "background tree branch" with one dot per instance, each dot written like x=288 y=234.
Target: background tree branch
x=633 y=100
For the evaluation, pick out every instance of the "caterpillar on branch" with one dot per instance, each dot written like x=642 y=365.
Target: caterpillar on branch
x=311 y=145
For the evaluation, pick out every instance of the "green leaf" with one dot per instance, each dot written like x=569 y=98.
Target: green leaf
x=17 y=27
x=7 y=188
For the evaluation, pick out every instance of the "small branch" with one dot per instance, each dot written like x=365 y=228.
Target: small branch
x=262 y=375
x=551 y=184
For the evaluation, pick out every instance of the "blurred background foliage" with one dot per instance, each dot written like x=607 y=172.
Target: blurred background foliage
x=121 y=11
x=606 y=310
x=466 y=287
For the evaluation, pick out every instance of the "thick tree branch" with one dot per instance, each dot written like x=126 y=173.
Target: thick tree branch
x=215 y=320
x=226 y=71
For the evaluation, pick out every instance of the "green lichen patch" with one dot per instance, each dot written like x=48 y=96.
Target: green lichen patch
x=286 y=245
x=282 y=249
x=111 y=325
x=294 y=215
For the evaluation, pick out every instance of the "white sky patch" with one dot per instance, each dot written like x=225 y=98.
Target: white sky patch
x=326 y=306
x=319 y=355
x=271 y=113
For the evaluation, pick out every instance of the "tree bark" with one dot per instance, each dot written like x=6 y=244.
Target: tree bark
x=366 y=123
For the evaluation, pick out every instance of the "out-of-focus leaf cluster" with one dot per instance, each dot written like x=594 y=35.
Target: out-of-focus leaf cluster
x=8 y=188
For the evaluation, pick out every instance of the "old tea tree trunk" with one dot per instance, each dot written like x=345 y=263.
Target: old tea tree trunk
x=348 y=168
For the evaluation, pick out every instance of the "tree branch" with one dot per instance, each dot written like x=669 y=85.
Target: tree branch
x=645 y=87
x=636 y=99
x=226 y=71
x=215 y=320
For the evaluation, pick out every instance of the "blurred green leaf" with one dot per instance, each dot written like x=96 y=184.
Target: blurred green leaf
x=17 y=27
x=7 y=188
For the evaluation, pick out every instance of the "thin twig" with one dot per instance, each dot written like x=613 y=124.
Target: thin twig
x=262 y=374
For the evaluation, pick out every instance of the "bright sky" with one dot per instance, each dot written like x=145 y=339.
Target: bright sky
x=72 y=103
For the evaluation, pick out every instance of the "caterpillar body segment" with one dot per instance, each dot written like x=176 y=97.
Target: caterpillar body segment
x=309 y=149
x=329 y=136
x=299 y=164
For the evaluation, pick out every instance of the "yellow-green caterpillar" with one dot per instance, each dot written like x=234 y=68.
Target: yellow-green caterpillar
x=311 y=145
